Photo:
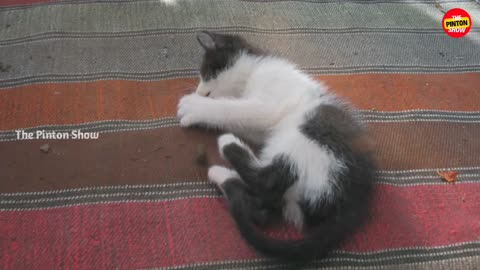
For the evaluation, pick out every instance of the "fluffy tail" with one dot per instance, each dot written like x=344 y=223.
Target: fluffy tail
x=325 y=237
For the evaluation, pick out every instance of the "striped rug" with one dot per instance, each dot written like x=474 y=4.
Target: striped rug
x=135 y=198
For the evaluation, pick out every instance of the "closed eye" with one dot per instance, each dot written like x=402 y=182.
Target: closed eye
x=208 y=94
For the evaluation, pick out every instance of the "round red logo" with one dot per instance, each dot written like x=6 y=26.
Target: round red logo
x=456 y=23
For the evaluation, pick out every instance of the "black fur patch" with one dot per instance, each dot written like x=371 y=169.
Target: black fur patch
x=332 y=126
x=239 y=193
x=335 y=128
x=224 y=54
x=271 y=181
x=268 y=183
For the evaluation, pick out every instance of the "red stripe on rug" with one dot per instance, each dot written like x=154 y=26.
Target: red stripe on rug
x=168 y=233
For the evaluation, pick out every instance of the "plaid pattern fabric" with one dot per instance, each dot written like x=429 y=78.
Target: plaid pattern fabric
x=135 y=198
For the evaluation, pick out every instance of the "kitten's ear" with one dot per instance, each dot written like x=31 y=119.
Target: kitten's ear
x=206 y=40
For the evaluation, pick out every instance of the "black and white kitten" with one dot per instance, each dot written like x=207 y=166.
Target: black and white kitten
x=311 y=170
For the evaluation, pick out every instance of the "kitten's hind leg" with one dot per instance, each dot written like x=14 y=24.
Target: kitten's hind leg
x=229 y=182
x=219 y=175
x=229 y=139
x=240 y=156
x=274 y=178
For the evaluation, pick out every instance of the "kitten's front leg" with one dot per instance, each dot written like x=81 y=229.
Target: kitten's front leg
x=193 y=109
x=228 y=114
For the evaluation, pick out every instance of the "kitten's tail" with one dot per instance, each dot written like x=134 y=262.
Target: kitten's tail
x=316 y=245
x=325 y=237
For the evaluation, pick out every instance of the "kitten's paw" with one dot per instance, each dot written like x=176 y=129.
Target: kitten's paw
x=218 y=174
x=190 y=110
x=228 y=139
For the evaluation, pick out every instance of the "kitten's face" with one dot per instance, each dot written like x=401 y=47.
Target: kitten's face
x=221 y=53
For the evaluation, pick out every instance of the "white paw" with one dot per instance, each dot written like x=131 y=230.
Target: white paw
x=228 y=139
x=218 y=174
x=191 y=110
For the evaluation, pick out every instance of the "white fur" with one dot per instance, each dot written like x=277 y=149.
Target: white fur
x=250 y=118
x=219 y=174
x=230 y=83
x=314 y=164
x=292 y=211
x=266 y=100
x=227 y=139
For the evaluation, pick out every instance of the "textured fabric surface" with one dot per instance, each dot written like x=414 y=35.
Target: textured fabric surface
x=136 y=197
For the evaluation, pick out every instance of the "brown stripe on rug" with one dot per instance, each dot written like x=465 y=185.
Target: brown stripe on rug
x=163 y=155
x=168 y=154
x=68 y=103
x=414 y=145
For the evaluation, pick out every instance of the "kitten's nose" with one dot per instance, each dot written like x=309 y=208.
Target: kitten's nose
x=202 y=93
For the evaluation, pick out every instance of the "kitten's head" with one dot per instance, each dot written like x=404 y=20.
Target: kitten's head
x=222 y=52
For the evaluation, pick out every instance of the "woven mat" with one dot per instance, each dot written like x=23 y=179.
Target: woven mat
x=136 y=197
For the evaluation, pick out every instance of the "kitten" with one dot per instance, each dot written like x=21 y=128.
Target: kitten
x=311 y=170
